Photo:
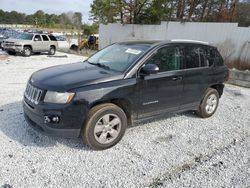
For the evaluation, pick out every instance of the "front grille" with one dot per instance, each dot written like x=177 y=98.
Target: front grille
x=9 y=44
x=33 y=94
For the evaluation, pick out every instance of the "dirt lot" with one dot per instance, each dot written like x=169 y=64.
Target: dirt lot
x=179 y=151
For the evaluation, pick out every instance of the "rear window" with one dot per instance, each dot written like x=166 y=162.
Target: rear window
x=202 y=56
x=52 y=38
x=195 y=57
x=218 y=60
x=45 y=38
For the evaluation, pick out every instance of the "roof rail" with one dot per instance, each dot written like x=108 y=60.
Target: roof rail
x=184 y=40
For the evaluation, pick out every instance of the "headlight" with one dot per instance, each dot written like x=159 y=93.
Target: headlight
x=59 y=98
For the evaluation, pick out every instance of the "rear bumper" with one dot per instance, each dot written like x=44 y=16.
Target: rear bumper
x=36 y=121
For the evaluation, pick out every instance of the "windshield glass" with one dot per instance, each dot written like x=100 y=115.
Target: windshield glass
x=25 y=36
x=118 y=57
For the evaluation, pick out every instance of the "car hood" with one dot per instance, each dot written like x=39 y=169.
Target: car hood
x=67 y=77
x=16 y=40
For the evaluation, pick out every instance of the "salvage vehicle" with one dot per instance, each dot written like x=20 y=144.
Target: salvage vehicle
x=28 y=43
x=123 y=84
x=5 y=34
x=2 y=39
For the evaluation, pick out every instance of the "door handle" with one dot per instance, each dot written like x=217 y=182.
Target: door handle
x=177 y=78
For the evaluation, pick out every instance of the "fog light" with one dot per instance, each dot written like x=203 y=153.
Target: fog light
x=51 y=119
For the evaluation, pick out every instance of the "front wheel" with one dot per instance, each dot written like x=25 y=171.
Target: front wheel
x=209 y=103
x=27 y=51
x=11 y=52
x=105 y=126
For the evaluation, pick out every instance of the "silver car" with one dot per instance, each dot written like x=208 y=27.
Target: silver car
x=28 y=43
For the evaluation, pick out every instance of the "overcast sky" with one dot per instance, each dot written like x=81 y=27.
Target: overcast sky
x=48 y=6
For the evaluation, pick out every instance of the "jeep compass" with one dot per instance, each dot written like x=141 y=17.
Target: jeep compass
x=122 y=84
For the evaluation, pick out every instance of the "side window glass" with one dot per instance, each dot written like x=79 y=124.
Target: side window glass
x=209 y=55
x=52 y=38
x=45 y=38
x=37 y=38
x=167 y=59
x=213 y=57
x=195 y=57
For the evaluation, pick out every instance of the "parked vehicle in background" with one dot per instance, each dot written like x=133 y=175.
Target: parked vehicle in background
x=6 y=33
x=90 y=43
x=2 y=39
x=124 y=83
x=28 y=43
x=64 y=43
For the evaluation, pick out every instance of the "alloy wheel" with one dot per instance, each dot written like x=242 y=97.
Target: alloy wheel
x=107 y=128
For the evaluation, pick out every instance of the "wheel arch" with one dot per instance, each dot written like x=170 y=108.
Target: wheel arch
x=219 y=88
x=54 y=46
x=28 y=45
x=123 y=103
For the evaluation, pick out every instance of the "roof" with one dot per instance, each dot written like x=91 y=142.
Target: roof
x=159 y=42
x=189 y=41
x=153 y=42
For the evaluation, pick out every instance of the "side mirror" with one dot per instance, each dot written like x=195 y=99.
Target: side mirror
x=150 y=69
x=35 y=39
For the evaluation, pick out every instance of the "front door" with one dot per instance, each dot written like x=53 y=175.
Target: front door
x=37 y=44
x=161 y=92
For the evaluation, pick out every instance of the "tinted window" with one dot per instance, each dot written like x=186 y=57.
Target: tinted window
x=45 y=38
x=167 y=59
x=209 y=55
x=52 y=38
x=218 y=60
x=37 y=38
x=195 y=57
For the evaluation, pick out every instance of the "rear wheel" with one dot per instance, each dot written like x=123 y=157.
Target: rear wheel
x=105 y=126
x=27 y=51
x=209 y=103
x=52 y=50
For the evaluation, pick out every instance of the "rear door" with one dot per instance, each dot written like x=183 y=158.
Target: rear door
x=198 y=74
x=46 y=43
x=161 y=92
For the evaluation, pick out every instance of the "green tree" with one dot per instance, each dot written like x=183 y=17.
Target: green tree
x=40 y=18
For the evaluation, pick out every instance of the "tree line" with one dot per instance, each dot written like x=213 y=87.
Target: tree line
x=155 y=11
x=41 y=19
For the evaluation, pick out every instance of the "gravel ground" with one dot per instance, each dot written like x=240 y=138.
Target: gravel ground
x=179 y=151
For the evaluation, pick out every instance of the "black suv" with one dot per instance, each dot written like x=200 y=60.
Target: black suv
x=122 y=84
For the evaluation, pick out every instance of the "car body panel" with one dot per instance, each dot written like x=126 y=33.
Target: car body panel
x=67 y=77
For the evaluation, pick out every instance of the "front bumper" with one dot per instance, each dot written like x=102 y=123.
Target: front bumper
x=69 y=126
x=14 y=49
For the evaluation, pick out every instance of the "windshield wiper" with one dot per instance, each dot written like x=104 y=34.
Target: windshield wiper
x=100 y=65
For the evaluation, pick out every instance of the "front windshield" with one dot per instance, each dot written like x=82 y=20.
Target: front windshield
x=25 y=36
x=118 y=57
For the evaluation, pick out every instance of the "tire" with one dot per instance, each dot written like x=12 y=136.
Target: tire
x=99 y=133
x=209 y=104
x=27 y=51
x=52 y=50
x=11 y=53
